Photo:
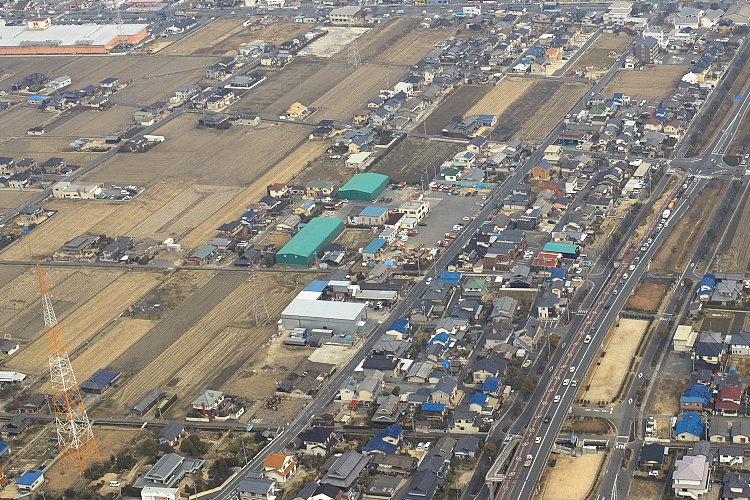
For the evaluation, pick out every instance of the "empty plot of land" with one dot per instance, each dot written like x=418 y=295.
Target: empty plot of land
x=174 y=324
x=734 y=253
x=648 y=295
x=233 y=157
x=674 y=254
x=76 y=217
x=184 y=212
x=50 y=236
x=646 y=489
x=224 y=336
x=609 y=372
x=224 y=36
x=385 y=36
x=652 y=82
x=91 y=123
x=18 y=119
x=85 y=321
x=337 y=38
x=354 y=92
x=129 y=215
x=152 y=77
x=70 y=290
x=12 y=198
x=666 y=399
x=107 y=347
x=413 y=159
x=284 y=170
x=603 y=52
x=534 y=101
x=571 y=478
x=501 y=97
x=551 y=112
x=455 y=107
x=304 y=79
x=414 y=45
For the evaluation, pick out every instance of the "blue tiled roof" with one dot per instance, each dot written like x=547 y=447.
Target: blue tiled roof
x=697 y=393
x=437 y=407
x=492 y=384
x=401 y=325
x=29 y=477
x=441 y=337
x=691 y=423
x=450 y=277
x=478 y=398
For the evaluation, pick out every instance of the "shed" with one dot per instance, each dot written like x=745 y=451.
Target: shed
x=365 y=187
x=308 y=243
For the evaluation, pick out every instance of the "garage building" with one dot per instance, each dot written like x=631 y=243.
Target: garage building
x=309 y=242
x=341 y=317
x=365 y=187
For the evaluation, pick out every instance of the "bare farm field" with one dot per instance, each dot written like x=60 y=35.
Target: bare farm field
x=355 y=91
x=92 y=123
x=198 y=342
x=88 y=319
x=455 y=106
x=184 y=212
x=571 y=478
x=305 y=79
x=20 y=305
x=223 y=37
x=237 y=156
x=551 y=111
x=620 y=347
x=599 y=55
x=283 y=171
x=501 y=97
x=674 y=254
x=18 y=119
x=98 y=217
x=152 y=77
x=412 y=157
x=652 y=82
x=413 y=46
x=649 y=294
x=734 y=252
x=11 y=198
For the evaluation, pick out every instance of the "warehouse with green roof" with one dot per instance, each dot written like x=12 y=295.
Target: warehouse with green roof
x=568 y=250
x=364 y=187
x=302 y=249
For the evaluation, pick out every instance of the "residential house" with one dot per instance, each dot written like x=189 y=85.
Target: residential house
x=171 y=433
x=279 y=467
x=653 y=456
x=689 y=427
x=735 y=486
x=345 y=470
x=445 y=391
x=169 y=470
x=257 y=487
x=691 y=476
x=491 y=366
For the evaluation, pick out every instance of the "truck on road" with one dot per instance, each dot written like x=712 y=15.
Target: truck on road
x=665 y=215
x=529 y=459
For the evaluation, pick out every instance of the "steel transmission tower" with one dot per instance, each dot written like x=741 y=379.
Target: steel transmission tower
x=260 y=308
x=74 y=434
x=354 y=57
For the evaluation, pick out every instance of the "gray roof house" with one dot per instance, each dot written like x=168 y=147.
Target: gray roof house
x=346 y=469
x=169 y=470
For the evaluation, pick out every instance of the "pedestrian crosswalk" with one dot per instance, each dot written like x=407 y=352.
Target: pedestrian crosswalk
x=708 y=177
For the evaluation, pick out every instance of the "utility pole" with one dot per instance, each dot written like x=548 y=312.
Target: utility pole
x=74 y=434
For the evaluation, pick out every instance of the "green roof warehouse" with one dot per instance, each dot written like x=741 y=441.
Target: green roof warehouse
x=364 y=187
x=306 y=244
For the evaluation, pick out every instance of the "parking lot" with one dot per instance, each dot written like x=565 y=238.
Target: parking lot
x=446 y=211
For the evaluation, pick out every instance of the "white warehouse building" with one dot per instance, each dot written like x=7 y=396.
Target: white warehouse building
x=340 y=317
